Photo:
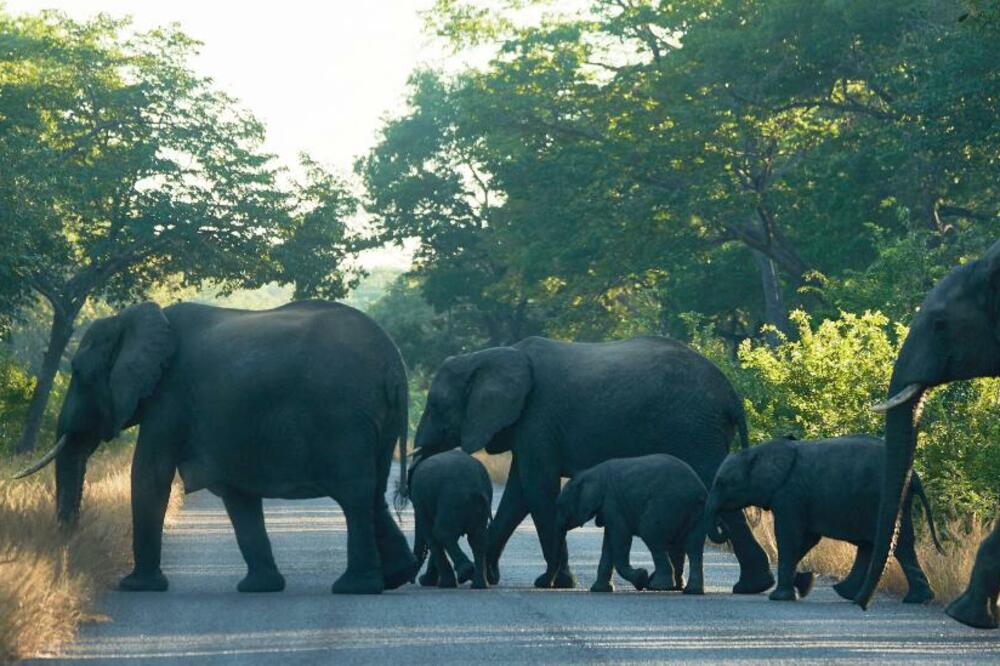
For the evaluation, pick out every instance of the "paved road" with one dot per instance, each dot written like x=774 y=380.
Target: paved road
x=203 y=620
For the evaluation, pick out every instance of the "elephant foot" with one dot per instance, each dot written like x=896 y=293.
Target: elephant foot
x=399 y=573
x=602 y=586
x=262 y=581
x=919 y=595
x=847 y=589
x=754 y=584
x=664 y=583
x=479 y=583
x=564 y=580
x=981 y=613
x=428 y=580
x=447 y=581
x=782 y=594
x=144 y=582
x=694 y=589
x=493 y=572
x=804 y=583
x=465 y=572
x=366 y=583
x=640 y=581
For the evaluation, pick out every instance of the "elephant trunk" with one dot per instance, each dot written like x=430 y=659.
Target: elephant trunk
x=900 y=442
x=71 y=467
x=713 y=526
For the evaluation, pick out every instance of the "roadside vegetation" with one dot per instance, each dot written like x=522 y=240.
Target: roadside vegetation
x=48 y=578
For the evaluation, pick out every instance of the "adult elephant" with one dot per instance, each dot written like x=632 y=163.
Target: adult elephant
x=563 y=407
x=306 y=400
x=955 y=335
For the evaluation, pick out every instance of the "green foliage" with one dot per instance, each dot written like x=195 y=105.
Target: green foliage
x=16 y=386
x=824 y=382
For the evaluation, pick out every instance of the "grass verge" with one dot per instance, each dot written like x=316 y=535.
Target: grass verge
x=48 y=580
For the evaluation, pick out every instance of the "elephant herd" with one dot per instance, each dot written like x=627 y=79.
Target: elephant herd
x=310 y=400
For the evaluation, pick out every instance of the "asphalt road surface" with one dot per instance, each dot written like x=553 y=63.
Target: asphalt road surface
x=203 y=620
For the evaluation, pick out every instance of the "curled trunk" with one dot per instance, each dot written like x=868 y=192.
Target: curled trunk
x=900 y=444
x=713 y=526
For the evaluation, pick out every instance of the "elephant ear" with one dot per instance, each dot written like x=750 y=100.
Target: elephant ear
x=991 y=277
x=498 y=387
x=771 y=464
x=591 y=499
x=144 y=348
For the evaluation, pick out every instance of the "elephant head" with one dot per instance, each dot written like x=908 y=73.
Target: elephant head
x=955 y=335
x=748 y=478
x=473 y=399
x=119 y=362
x=580 y=500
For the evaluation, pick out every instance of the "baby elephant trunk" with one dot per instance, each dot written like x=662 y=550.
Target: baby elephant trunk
x=713 y=524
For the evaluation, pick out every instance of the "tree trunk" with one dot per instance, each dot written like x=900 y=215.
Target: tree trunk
x=59 y=336
x=775 y=313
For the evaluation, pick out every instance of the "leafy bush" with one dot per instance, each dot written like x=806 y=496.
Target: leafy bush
x=824 y=382
x=16 y=386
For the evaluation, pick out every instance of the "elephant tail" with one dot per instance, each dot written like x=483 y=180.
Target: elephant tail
x=918 y=489
x=402 y=493
x=739 y=416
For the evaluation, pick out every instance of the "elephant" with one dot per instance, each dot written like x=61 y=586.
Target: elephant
x=306 y=400
x=452 y=495
x=563 y=407
x=658 y=498
x=954 y=336
x=820 y=488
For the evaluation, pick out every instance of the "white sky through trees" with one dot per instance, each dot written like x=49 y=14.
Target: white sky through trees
x=320 y=75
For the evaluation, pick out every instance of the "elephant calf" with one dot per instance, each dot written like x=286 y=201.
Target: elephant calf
x=452 y=495
x=821 y=488
x=658 y=498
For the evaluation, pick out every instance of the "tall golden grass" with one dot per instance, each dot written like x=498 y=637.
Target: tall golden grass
x=948 y=573
x=48 y=578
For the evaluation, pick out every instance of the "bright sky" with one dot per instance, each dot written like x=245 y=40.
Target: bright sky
x=321 y=75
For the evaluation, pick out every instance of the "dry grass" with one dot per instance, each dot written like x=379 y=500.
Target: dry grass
x=48 y=580
x=948 y=573
x=498 y=466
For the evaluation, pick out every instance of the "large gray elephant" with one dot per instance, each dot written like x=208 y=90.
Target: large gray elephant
x=954 y=336
x=563 y=407
x=306 y=400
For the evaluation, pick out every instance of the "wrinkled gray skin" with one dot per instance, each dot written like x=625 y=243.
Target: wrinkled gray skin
x=563 y=407
x=954 y=336
x=306 y=400
x=820 y=488
x=452 y=496
x=658 y=498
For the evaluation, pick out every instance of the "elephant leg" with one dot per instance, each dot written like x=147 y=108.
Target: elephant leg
x=446 y=575
x=246 y=513
x=512 y=510
x=541 y=491
x=464 y=568
x=919 y=588
x=848 y=588
x=152 y=475
x=477 y=541
x=663 y=575
x=694 y=548
x=399 y=566
x=803 y=581
x=977 y=607
x=430 y=577
x=621 y=548
x=790 y=538
x=755 y=572
x=364 y=570
x=606 y=568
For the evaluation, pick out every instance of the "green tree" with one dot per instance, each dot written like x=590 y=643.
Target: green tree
x=120 y=166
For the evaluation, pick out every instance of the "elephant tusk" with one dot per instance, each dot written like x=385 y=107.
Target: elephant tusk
x=45 y=460
x=895 y=401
